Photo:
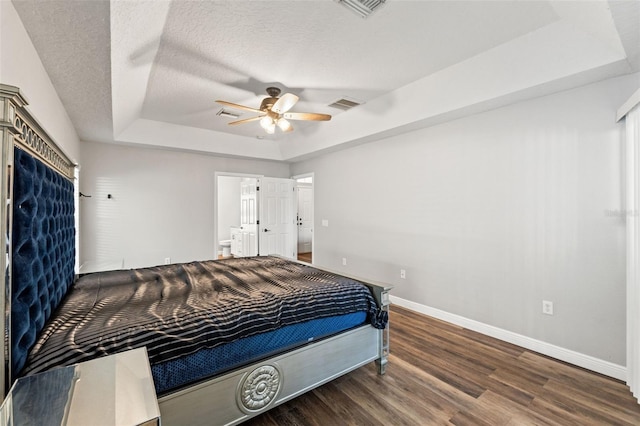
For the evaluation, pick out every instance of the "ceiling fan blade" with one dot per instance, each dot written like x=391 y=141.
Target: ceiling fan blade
x=285 y=103
x=306 y=116
x=237 y=106
x=245 y=120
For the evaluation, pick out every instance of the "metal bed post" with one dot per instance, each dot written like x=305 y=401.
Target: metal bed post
x=10 y=101
x=381 y=362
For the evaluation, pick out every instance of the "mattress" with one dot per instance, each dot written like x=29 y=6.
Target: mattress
x=189 y=311
x=172 y=375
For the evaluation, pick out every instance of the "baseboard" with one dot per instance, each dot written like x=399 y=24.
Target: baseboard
x=576 y=358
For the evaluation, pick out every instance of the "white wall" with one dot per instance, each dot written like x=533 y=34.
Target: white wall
x=162 y=203
x=20 y=66
x=490 y=215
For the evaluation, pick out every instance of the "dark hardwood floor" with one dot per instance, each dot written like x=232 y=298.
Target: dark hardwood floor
x=441 y=374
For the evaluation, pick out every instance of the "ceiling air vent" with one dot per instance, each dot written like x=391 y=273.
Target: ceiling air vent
x=224 y=113
x=364 y=8
x=345 y=104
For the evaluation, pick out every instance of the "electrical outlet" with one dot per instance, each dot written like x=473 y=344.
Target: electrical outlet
x=403 y=274
x=344 y=261
x=167 y=260
x=325 y=222
x=547 y=307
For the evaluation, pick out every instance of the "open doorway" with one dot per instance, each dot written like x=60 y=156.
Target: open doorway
x=304 y=216
x=236 y=216
x=257 y=215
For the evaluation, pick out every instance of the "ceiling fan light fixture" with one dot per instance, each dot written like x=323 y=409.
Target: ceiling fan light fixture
x=271 y=129
x=268 y=124
x=274 y=112
x=284 y=124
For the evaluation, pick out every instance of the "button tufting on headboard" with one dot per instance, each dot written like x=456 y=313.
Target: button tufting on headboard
x=43 y=250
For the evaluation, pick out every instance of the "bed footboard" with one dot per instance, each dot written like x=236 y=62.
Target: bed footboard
x=380 y=292
x=251 y=390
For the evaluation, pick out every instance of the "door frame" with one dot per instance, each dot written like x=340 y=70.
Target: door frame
x=313 y=201
x=258 y=176
x=216 y=240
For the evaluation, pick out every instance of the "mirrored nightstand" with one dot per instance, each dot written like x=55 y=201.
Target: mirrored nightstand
x=113 y=390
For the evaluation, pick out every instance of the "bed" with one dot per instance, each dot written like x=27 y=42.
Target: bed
x=252 y=333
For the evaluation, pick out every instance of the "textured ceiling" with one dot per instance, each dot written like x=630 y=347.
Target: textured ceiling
x=65 y=35
x=148 y=72
x=249 y=46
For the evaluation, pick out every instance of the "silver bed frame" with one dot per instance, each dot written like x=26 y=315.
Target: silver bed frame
x=253 y=389
x=227 y=399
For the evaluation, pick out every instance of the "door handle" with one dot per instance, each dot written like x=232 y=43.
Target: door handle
x=266 y=230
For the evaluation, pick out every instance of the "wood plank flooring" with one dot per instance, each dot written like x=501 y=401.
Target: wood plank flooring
x=441 y=374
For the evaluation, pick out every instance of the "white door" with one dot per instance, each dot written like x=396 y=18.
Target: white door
x=277 y=217
x=305 y=217
x=249 y=216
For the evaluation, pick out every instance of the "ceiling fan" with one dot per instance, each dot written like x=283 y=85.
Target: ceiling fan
x=274 y=111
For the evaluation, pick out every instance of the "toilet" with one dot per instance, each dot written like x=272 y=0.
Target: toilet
x=225 y=245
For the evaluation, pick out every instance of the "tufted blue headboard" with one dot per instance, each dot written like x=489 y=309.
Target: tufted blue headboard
x=43 y=250
x=37 y=184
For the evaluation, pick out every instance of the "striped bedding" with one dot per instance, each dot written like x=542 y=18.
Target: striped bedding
x=176 y=310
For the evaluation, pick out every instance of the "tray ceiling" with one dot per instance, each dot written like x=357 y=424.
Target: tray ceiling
x=148 y=72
